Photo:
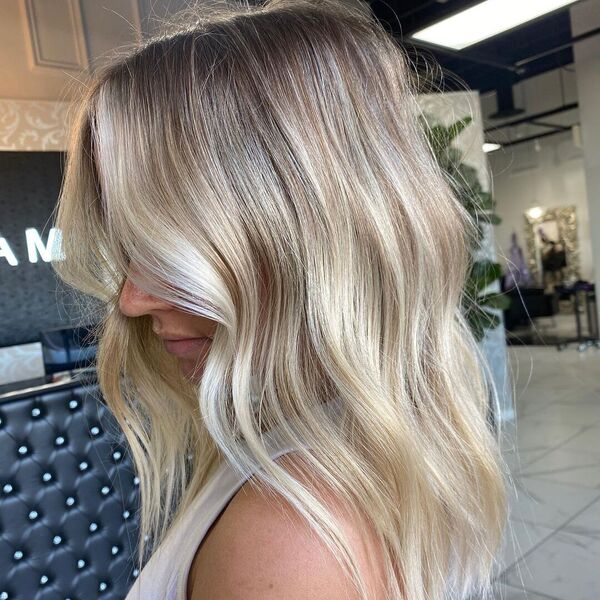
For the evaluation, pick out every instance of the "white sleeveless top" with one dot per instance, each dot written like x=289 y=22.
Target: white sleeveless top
x=164 y=576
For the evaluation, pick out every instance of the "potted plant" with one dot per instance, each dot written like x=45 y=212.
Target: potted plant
x=479 y=303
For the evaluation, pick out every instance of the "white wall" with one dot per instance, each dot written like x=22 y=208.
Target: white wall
x=548 y=174
x=550 y=177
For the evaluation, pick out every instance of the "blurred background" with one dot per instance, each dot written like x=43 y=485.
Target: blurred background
x=511 y=98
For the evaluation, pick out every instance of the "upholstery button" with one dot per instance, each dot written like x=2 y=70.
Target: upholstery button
x=80 y=563
x=23 y=450
x=93 y=527
x=36 y=412
x=60 y=440
x=18 y=555
x=3 y=596
x=70 y=501
x=117 y=455
x=126 y=514
x=7 y=488
x=104 y=490
x=56 y=540
x=83 y=465
x=44 y=579
x=136 y=572
x=136 y=480
x=33 y=515
x=46 y=477
x=114 y=550
x=102 y=586
x=73 y=404
x=95 y=430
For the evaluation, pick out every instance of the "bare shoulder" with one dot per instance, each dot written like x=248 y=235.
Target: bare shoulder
x=262 y=548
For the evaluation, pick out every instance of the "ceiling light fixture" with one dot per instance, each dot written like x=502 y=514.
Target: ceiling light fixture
x=490 y=147
x=485 y=20
x=536 y=212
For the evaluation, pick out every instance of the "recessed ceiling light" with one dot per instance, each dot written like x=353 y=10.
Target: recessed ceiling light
x=536 y=212
x=485 y=20
x=490 y=147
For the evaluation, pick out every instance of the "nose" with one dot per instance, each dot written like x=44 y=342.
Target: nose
x=134 y=302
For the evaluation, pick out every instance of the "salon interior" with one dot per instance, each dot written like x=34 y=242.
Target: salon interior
x=523 y=79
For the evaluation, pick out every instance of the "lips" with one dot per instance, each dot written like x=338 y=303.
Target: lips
x=186 y=347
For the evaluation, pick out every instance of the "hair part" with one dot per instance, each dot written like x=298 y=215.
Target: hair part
x=276 y=147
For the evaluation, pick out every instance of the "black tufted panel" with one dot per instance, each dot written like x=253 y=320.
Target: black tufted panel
x=68 y=498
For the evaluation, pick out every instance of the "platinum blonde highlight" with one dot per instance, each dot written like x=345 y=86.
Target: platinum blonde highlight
x=263 y=165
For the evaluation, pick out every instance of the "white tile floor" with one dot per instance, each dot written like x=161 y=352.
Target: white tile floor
x=551 y=549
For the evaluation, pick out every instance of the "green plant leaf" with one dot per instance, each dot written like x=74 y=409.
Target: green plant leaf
x=493 y=218
x=481 y=320
x=486 y=202
x=458 y=127
x=484 y=273
x=466 y=185
x=491 y=320
x=441 y=136
x=495 y=300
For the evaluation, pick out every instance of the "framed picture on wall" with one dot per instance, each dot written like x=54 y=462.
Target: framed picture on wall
x=552 y=245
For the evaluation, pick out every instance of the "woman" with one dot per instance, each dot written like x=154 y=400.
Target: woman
x=255 y=178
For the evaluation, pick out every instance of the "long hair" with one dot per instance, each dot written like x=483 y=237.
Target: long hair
x=277 y=147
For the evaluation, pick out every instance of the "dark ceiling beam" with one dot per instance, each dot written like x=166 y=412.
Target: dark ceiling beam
x=547 y=113
x=487 y=81
x=517 y=68
x=531 y=138
x=550 y=51
x=469 y=57
x=415 y=9
x=550 y=125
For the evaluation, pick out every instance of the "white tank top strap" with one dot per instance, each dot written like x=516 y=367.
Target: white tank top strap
x=164 y=577
x=212 y=505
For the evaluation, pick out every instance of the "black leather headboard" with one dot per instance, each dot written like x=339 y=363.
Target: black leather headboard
x=69 y=497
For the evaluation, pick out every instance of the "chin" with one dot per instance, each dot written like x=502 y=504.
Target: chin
x=188 y=371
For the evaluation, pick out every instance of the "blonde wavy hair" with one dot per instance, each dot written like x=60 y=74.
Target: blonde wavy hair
x=278 y=146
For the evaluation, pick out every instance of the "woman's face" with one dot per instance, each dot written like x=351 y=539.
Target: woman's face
x=193 y=333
